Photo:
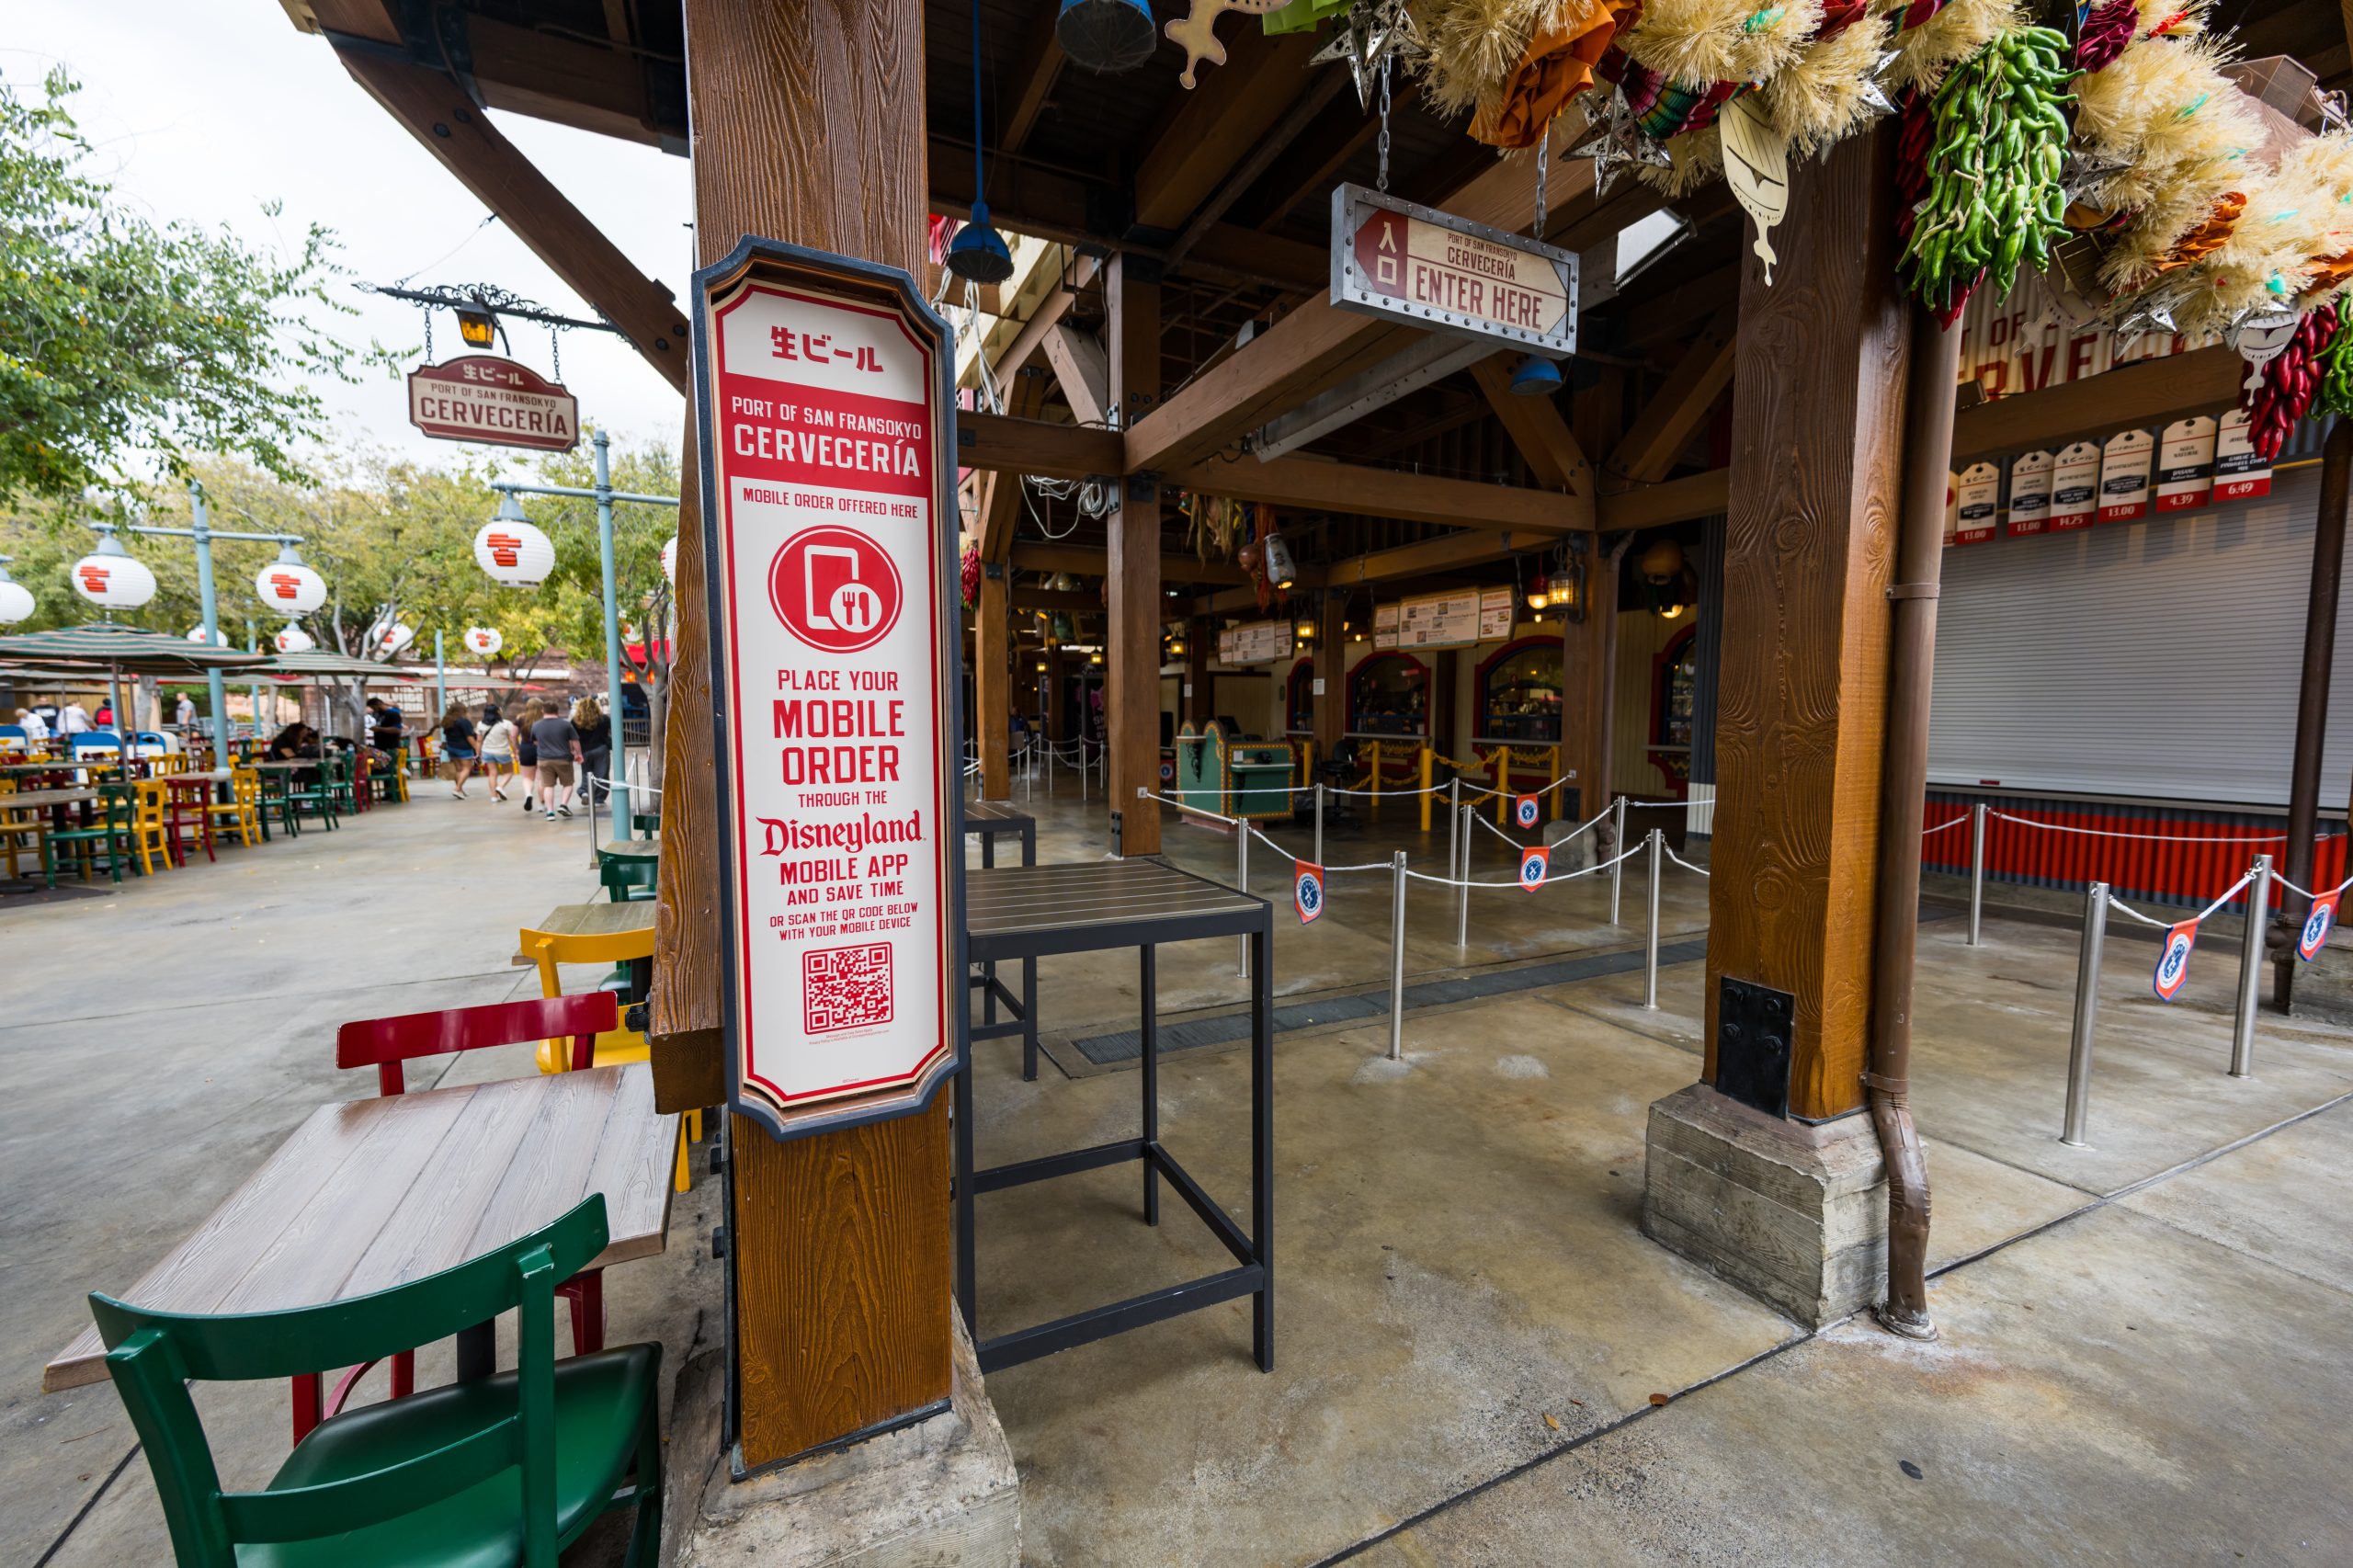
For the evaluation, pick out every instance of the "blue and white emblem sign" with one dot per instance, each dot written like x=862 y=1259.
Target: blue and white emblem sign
x=2173 y=963
x=1532 y=868
x=1524 y=810
x=1307 y=890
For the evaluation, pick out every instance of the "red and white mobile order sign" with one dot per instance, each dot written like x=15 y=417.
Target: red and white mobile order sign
x=825 y=464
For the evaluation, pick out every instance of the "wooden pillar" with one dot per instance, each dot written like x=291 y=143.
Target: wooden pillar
x=1817 y=437
x=1131 y=655
x=809 y=127
x=1060 y=724
x=1584 y=678
x=992 y=668
x=1331 y=664
x=1445 y=671
x=1200 y=646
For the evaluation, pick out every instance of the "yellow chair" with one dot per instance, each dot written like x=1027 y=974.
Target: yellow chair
x=150 y=840
x=614 y=1046
x=240 y=814
x=167 y=763
x=19 y=834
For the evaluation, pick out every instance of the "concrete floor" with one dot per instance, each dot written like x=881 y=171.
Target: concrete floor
x=2144 y=1348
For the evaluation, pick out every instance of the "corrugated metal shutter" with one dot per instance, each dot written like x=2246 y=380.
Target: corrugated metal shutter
x=2157 y=659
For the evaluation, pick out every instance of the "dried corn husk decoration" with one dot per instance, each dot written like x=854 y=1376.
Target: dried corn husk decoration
x=1696 y=42
x=1698 y=158
x=1942 y=40
x=1831 y=89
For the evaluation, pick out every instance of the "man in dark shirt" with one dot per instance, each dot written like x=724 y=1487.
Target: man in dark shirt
x=558 y=748
x=385 y=721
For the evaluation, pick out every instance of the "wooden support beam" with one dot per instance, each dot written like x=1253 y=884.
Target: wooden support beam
x=1001 y=495
x=1084 y=561
x=1034 y=445
x=1667 y=421
x=1315 y=167
x=1473 y=546
x=1537 y=429
x=1051 y=308
x=1817 y=438
x=1082 y=371
x=1216 y=124
x=1673 y=501
x=840 y=1240
x=1388 y=493
x=1132 y=660
x=992 y=672
x=2147 y=395
x=1331 y=668
x=1076 y=600
x=435 y=110
x=1041 y=66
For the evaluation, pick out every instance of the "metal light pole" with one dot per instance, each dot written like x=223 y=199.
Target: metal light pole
x=441 y=681
x=604 y=495
x=252 y=693
x=201 y=530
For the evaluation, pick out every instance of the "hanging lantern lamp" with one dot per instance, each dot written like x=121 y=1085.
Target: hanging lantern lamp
x=1281 y=571
x=111 y=578
x=670 y=559
x=1107 y=36
x=218 y=639
x=978 y=252
x=514 y=551
x=288 y=586
x=1533 y=377
x=16 y=599
x=292 y=639
x=483 y=641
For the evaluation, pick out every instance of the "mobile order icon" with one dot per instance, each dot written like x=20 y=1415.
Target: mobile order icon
x=835 y=588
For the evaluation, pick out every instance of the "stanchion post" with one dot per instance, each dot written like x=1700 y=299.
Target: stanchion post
x=1976 y=870
x=1463 y=879
x=1397 y=957
x=1617 y=848
x=1319 y=821
x=1429 y=766
x=1650 y=936
x=2259 y=915
x=1242 y=882
x=1453 y=823
x=2079 y=1047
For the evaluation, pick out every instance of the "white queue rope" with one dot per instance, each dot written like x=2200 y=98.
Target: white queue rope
x=1548 y=881
x=2227 y=894
x=1681 y=861
x=2145 y=837
x=1955 y=822
x=2301 y=892
x=1328 y=870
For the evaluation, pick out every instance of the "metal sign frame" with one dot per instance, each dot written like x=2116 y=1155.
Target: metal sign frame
x=1352 y=203
x=858 y=284
x=537 y=386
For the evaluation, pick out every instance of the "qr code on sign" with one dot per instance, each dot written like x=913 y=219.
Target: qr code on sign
x=845 y=988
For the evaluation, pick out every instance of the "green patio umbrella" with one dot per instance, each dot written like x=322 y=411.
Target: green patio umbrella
x=119 y=648
x=323 y=666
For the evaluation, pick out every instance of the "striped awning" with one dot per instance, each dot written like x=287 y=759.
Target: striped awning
x=320 y=665
x=130 y=649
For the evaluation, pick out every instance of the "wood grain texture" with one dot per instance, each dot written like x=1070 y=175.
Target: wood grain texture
x=842 y=1272
x=1667 y=421
x=991 y=670
x=601 y=918
x=1131 y=662
x=1809 y=537
x=2130 y=397
x=1537 y=430
x=809 y=127
x=1331 y=665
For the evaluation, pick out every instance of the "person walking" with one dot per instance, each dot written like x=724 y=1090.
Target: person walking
x=36 y=728
x=595 y=747
x=184 y=715
x=497 y=748
x=72 y=718
x=458 y=748
x=527 y=753
x=385 y=723
x=559 y=750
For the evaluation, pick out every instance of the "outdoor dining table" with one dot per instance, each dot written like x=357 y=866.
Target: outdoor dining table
x=51 y=801
x=369 y=1194
x=600 y=919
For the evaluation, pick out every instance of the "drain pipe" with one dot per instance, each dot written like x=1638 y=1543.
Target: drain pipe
x=1929 y=396
x=2312 y=702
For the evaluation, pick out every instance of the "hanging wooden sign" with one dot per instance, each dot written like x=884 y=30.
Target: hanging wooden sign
x=497 y=402
x=1403 y=262
x=822 y=388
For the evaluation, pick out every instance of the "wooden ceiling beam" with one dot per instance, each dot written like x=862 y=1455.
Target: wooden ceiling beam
x=435 y=110
x=1446 y=552
x=1534 y=424
x=1000 y=441
x=1080 y=366
x=1388 y=493
x=2146 y=396
x=1001 y=491
x=1219 y=122
x=1324 y=156
x=1675 y=501
x=1041 y=66
x=1087 y=560
x=1666 y=422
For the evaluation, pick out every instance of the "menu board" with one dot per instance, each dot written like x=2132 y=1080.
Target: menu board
x=2186 y=464
x=1439 y=621
x=2240 y=474
x=2124 y=476
x=1254 y=642
x=1384 y=625
x=1976 y=496
x=2075 y=486
x=1494 y=614
x=2030 y=493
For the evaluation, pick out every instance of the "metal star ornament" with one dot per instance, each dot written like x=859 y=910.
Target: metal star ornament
x=1373 y=31
x=1618 y=142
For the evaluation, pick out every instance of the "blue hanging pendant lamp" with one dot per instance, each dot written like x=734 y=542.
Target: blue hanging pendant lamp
x=978 y=252
x=1105 y=36
x=1533 y=377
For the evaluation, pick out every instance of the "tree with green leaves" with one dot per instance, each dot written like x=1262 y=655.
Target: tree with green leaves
x=126 y=345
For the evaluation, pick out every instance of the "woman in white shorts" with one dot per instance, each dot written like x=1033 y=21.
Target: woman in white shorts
x=497 y=748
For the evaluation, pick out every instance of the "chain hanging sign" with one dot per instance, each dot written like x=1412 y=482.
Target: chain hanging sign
x=497 y=402
x=1404 y=262
x=821 y=385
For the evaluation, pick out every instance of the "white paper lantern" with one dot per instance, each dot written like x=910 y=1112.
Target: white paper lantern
x=670 y=559
x=16 y=599
x=109 y=578
x=391 y=639
x=289 y=587
x=195 y=635
x=485 y=641
x=512 y=549
x=294 y=640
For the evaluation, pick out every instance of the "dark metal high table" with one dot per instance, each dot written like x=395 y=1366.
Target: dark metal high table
x=989 y=821
x=1029 y=911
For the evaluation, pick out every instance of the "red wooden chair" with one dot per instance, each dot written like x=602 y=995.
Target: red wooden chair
x=384 y=1044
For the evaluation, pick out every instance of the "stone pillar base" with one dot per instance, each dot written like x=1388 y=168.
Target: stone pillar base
x=1794 y=1215
x=941 y=1493
x=2324 y=986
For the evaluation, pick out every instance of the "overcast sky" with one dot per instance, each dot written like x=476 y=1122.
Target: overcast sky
x=207 y=110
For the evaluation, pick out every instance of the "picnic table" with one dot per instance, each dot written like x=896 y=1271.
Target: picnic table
x=369 y=1194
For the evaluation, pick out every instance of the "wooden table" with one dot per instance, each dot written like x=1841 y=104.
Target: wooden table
x=632 y=849
x=369 y=1194
x=25 y=800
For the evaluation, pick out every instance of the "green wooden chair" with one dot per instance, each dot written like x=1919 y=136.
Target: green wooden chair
x=646 y=825
x=510 y=1469
x=111 y=836
x=278 y=800
x=323 y=792
x=628 y=881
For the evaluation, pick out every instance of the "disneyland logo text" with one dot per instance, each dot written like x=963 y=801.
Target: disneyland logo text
x=851 y=837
